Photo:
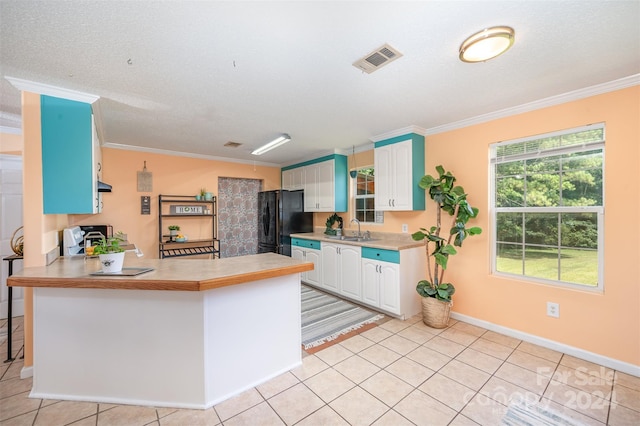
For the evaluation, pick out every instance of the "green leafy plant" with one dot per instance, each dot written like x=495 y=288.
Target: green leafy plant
x=331 y=221
x=452 y=200
x=174 y=228
x=109 y=245
x=203 y=192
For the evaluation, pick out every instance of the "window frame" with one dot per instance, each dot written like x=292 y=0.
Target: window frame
x=355 y=197
x=494 y=161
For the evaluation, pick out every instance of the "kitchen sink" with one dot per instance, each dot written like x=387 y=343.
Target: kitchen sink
x=348 y=238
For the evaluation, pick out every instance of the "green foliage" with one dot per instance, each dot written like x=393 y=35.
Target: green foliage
x=174 y=228
x=108 y=245
x=443 y=291
x=331 y=221
x=452 y=200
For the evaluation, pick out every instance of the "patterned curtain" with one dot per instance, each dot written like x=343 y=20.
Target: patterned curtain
x=238 y=216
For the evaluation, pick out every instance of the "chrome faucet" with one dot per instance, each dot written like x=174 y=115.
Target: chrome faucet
x=358 y=222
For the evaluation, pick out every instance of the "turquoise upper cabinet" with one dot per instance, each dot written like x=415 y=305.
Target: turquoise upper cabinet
x=399 y=166
x=324 y=181
x=70 y=157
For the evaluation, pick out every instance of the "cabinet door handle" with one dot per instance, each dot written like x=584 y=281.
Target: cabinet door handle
x=389 y=202
x=394 y=203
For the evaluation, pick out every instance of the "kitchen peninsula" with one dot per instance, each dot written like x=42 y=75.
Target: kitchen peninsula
x=188 y=334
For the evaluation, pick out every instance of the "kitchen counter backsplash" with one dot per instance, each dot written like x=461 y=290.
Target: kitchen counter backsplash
x=382 y=240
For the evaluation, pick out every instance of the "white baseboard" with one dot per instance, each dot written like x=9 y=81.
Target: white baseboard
x=26 y=372
x=615 y=364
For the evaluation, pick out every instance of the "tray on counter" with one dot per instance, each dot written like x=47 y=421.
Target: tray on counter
x=126 y=272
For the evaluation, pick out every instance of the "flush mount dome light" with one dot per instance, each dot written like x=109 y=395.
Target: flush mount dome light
x=487 y=44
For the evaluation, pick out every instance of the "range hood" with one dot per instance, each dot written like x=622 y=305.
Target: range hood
x=103 y=187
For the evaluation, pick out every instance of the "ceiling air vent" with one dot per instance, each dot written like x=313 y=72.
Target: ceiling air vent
x=231 y=144
x=377 y=59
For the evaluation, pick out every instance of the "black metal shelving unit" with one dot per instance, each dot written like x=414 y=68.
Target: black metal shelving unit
x=187 y=208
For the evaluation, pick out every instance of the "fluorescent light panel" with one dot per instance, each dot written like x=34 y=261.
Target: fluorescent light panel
x=273 y=144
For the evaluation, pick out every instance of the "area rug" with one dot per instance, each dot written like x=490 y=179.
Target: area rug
x=325 y=317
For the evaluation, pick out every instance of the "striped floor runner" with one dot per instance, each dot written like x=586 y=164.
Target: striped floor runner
x=326 y=317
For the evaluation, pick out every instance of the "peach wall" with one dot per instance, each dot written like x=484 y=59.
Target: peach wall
x=607 y=324
x=40 y=231
x=171 y=175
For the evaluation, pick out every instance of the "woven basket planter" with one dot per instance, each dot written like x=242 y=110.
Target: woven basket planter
x=435 y=313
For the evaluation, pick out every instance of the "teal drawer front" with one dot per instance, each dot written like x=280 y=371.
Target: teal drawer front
x=313 y=244
x=381 y=254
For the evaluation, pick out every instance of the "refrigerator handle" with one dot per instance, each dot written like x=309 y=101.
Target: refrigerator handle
x=278 y=222
x=265 y=219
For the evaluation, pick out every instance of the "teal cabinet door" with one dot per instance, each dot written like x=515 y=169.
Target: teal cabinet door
x=68 y=177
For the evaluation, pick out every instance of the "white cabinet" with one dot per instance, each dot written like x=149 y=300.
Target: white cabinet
x=380 y=278
x=381 y=285
x=309 y=251
x=387 y=286
x=97 y=167
x=319 y=184
x=324 y=182
x=399 y=167
x=341 y=269
x=293 y=179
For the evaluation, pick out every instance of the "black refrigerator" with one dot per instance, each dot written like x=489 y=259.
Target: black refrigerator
x=280 y=214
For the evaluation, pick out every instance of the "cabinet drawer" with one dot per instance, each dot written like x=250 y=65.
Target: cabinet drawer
x=313 y=244
x=392 y=256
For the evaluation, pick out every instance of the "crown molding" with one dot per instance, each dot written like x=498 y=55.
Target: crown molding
x=622 y=83
x=399 y=132
x=186 y=154
x=45 y=89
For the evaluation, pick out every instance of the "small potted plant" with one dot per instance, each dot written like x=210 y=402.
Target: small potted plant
x=202 y=194
x=110 y=253
x=451 y=199
x=173 y=230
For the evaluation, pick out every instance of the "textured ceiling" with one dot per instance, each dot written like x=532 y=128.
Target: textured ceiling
x=191 y=76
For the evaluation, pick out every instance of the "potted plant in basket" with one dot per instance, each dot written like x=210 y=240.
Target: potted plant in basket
x=110 y=253
x=452 y=200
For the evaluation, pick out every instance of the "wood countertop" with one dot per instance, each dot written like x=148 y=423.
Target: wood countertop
x=381 y=240
x=168 y=274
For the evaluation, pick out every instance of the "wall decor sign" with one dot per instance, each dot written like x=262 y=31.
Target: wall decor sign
x=187 y=210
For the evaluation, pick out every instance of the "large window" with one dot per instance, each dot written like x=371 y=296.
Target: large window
x=364 y=193
x=548 y=207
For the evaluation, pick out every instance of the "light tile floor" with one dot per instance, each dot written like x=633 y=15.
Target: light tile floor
x=399 y=373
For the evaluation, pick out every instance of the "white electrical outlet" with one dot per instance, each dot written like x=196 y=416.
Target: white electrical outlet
x=553 y=309
x=405 y=228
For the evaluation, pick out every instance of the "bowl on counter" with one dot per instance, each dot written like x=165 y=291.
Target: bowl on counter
x=181 y=239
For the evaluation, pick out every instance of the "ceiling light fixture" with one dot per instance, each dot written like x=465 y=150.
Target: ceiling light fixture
x=273 y=144
x=487 y=44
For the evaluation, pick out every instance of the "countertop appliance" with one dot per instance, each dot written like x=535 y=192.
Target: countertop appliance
x=280 y=214
x=73 y=241
x=75 y=238
x=96 y=232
